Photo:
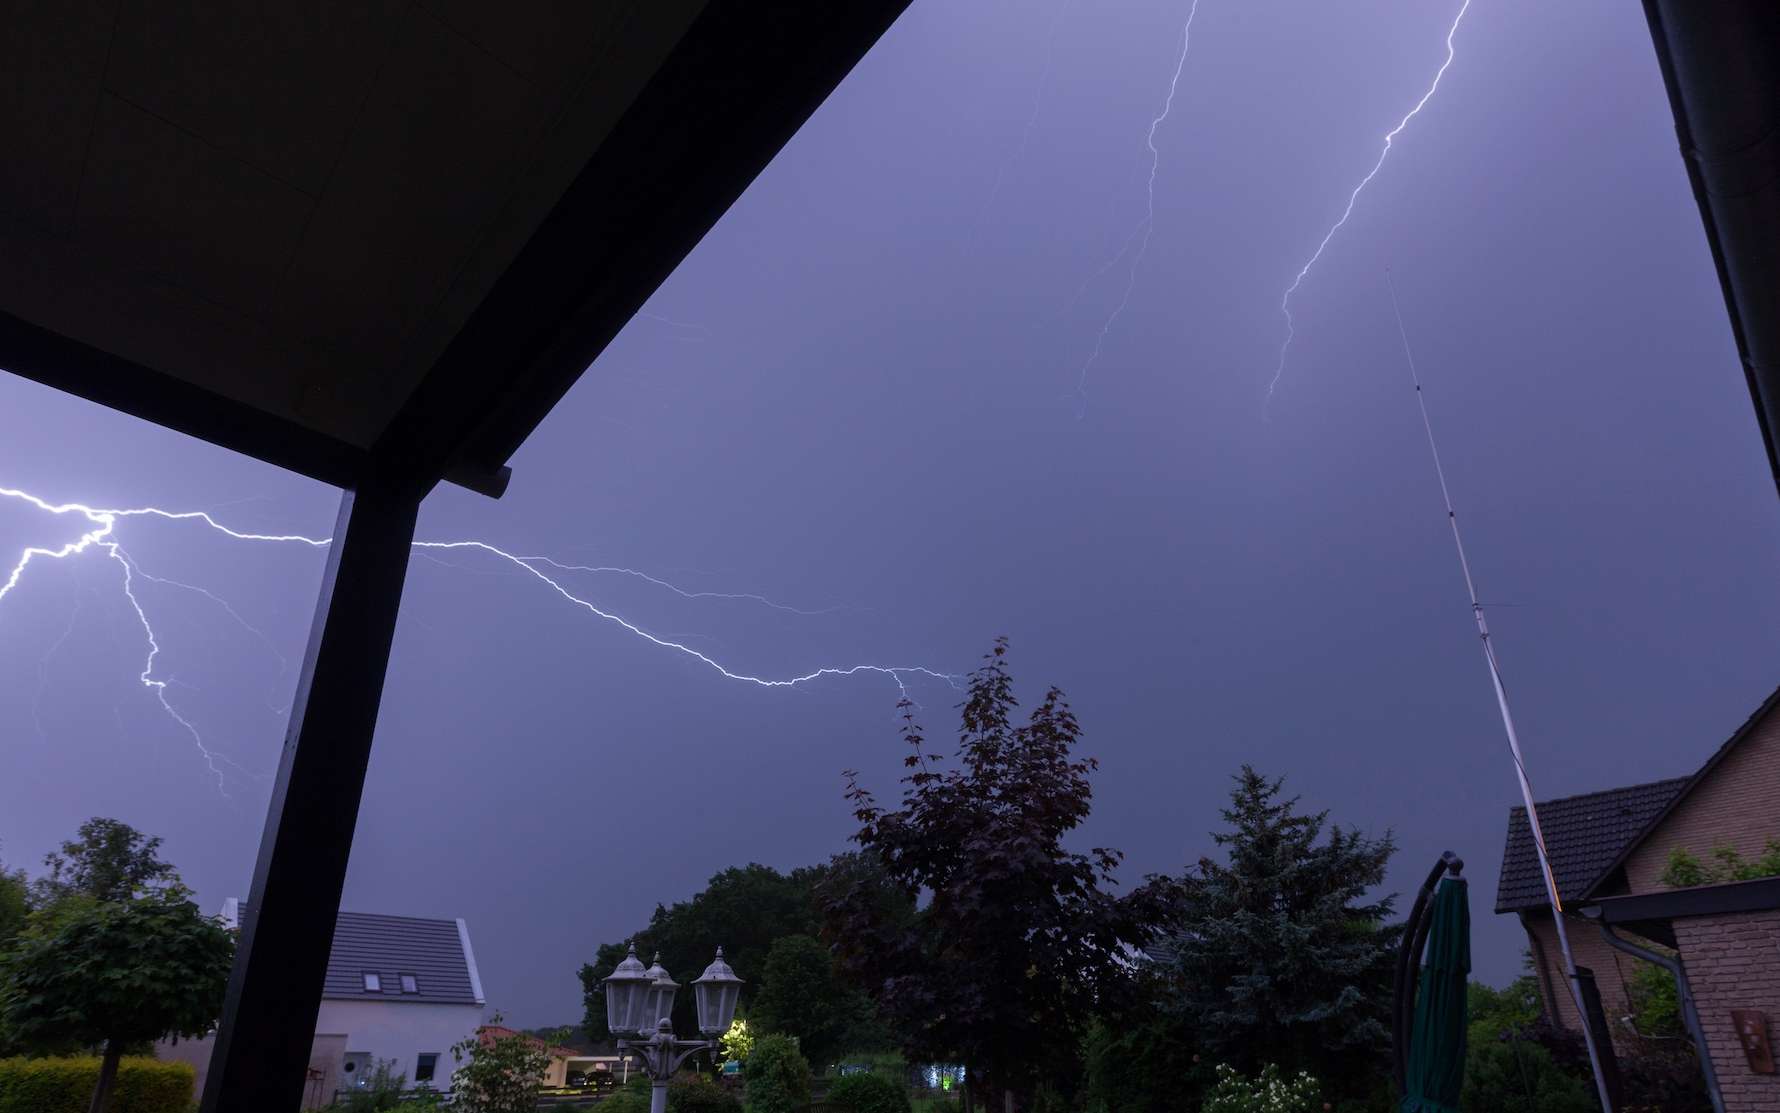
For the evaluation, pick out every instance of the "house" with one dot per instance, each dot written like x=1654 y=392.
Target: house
x=569 y=1066
x=1609 y=852
x=399 y=992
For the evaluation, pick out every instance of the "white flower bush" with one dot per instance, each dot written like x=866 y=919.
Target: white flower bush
x=1266 y=1093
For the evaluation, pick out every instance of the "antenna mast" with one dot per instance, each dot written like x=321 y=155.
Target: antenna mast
x=1520 y=765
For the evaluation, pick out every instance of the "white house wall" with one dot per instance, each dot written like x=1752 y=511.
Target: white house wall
x=400 y=1031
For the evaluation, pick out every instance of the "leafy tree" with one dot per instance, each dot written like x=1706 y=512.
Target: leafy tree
x=1279 y=954
x=800 y=995
x=777 y=1077
x=1494 y=1013
x=501 y=1070
x=15 y=904
x=117 y=973
x=1004 y=965
x=110 y=861
x=742 y=909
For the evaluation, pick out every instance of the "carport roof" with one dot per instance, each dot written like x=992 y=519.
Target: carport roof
x=344 y=236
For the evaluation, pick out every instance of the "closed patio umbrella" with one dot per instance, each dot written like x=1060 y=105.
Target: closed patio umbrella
x=1435 y=1071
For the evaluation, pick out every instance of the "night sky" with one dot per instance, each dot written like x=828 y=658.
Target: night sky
x=852 y=398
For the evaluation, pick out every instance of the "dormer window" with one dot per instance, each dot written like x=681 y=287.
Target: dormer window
x=409 y=985
x=373 y=983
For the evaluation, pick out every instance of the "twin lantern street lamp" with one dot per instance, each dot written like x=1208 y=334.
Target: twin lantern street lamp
x=642 y=1001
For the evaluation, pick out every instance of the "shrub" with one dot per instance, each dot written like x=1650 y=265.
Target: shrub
x=868 y=1093
x=1513 y=1074
x=1267 y=1092
x=694 y=1093
x=633 y=1097
x=66 y=1086
x=778 y=1077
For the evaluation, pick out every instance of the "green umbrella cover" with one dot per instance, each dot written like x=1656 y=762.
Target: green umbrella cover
x=1436 y=1069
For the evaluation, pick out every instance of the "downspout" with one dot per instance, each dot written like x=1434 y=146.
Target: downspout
x=1689 y=1014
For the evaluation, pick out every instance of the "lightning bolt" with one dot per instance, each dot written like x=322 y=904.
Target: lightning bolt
x=1285 y=301
x=1144 y=227
x=1019 y=151
x=100 y=533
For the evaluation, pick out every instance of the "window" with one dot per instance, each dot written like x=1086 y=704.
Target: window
x=425 y=1065
x=409 y=985
x=373 y=984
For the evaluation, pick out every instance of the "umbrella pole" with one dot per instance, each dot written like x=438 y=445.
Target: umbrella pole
x=1520 y=768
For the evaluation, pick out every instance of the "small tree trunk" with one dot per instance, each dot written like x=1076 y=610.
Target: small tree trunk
x=114 y=1050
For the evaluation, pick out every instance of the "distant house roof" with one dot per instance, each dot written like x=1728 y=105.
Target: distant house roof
x=1585 y=835
x=435 y=954
x=488 y=1033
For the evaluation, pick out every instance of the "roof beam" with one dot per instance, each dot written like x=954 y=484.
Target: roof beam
x=36 y=353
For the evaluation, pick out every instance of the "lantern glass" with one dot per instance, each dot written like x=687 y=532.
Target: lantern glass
x=626 y=991
x=658 y=999
x=716 y=992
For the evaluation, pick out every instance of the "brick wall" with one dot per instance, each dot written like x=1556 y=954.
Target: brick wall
x=1733 y=962
x=1613 y=969
x=1734 y=806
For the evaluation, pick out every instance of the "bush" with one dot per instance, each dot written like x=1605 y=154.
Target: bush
x=633 y=1097
x=1515 y=1074
x=1267 y=1092
x=66 y=1086
x=868 y=1093
x=694 y=1093
x=778 y=1077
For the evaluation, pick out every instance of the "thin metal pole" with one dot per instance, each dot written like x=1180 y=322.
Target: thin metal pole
x=1520 y=765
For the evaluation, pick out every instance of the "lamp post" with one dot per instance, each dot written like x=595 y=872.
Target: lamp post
x=642 y=1002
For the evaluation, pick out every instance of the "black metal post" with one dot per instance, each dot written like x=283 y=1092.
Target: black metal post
x=268 y=1024
x=1595 y=1016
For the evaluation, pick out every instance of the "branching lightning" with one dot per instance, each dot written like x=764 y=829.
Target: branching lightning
x=100 y=533
x=1141 y=233
x=1285 y=301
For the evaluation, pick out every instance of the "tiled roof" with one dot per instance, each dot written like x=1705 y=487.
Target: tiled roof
x=1584 y=835
x=432 y=951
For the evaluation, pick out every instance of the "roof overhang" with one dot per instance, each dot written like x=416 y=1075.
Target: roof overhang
x=1721 y=64
x=1762 y=895
x=376 y=238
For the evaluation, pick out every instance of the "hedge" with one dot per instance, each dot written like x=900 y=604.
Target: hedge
x=66 y=1086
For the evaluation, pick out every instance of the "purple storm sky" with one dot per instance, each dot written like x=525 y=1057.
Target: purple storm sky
x=853 y=399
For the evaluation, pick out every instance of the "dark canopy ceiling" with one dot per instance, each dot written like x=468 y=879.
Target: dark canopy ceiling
x=339 y=235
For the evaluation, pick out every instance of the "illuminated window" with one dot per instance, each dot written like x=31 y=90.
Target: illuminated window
x=373 y=984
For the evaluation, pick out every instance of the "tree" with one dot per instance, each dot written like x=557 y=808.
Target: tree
x=15 y=904
x=110 y=861
x=1278 y=955
x=117 y=973
x=1004 y=965
x=501 y=1072
x=742 y=909
x=800 y=995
